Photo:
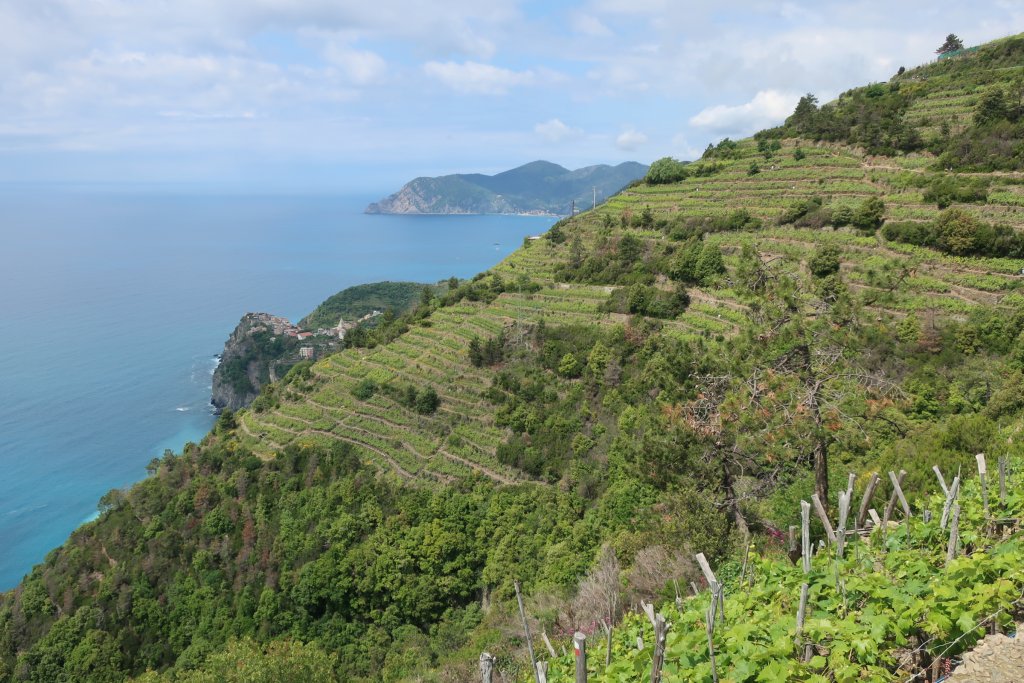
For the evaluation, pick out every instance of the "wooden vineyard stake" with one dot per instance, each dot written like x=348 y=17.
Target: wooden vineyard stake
x=640 y=643
x=800 y=616
x=954 y=491
x=705 y=568
x=942 y=480
x=1002 y=480
x=579 y=646
x=954 y=534
x=823 y=516
x=542 y=672
x=875 y=519
x=898 y=492
x=850 y=481
x=547 y=643
x=657 y=659
x=693 y=587
x=805 y=534
x=982 y=471
x=792 y=539
x=865 y=502
x=526 y=629
x=892 y=500
x=844 y=511
x=746 y=556
x=710 y=627
x=486 y=667
x=608 y=642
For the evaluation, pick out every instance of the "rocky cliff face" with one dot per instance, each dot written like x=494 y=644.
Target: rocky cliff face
x=445 y=195
x=537 y=187
x=259 y=351
x=236 y=381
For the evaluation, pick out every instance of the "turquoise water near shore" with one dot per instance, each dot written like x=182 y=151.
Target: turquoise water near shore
x=113 y=306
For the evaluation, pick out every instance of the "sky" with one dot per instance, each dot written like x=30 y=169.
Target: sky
x=335 y=95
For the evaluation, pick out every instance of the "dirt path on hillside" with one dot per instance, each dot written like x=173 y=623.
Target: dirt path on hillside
x=486 y=471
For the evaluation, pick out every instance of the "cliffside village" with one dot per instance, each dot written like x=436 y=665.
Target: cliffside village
x=283 y=327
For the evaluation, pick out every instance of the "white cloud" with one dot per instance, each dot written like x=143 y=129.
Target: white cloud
x=767 y=108
x=474 y=77
x=362 y=67
x=588 y=25
x=630 y=139
x=682 y=148
x=556 y=131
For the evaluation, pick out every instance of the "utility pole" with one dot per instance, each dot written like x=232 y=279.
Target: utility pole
x=573 y=208
x=595 y=196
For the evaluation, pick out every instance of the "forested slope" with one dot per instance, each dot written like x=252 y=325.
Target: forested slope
x=658 y=377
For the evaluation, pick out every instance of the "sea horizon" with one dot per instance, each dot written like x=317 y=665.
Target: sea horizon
x=108 y=357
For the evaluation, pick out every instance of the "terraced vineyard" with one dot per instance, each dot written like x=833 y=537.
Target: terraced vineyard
x=892 y=280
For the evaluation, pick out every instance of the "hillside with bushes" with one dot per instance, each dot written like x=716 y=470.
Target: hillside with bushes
x=666 y=375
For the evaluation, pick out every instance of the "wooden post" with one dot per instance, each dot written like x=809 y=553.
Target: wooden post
x=823 y=516
x=942 y=480
x=954 y=491
x=850 y=481
x=542 y=672
x=865 y=502
x=1002 y=480
x=875 y=519
x=746 y=556
x=526 y=629
x=547 y=642
x=844 y=511
x=892 y=500
x=709 y=575
x=954 y=534
x=982 y=471
x=579 y=645
x=899 y=493
x=486 y=667
x=693 y=587
x=640 y=643
x=792 y=539
x=800 y=615
x=658 y=660
x=805 y=534
x=608 y=642
x=710 y=628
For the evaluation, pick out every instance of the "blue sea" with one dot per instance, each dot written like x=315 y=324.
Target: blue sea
x=113 y=305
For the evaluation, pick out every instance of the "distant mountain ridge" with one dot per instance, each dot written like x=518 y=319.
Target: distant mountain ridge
x=537 y=187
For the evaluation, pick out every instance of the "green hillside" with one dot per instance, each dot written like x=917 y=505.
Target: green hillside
x=536 y=187
x=352 y=303
x=668 y=374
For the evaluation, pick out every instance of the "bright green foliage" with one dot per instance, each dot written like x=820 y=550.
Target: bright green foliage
x=991 y=108
x=667 y=170
x=869 y=214
x=247 y=662
x=960 y=233
x=709 y=265
x=825 y=261
x=863 y=611
x=569 y=366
